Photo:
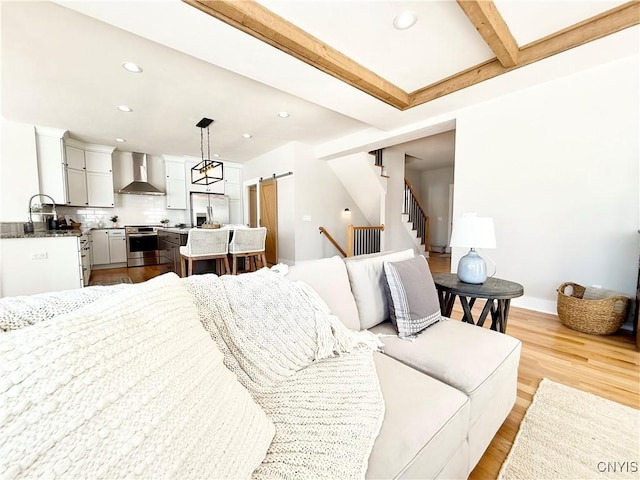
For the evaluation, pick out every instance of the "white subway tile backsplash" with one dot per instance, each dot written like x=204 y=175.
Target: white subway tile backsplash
x=130 y=209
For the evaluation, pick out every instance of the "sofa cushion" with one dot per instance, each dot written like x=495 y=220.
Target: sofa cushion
x=328 y=277
x=459 y=354
x=425 y=422
x=366 y=276
x=130 y=385
x=412 y=296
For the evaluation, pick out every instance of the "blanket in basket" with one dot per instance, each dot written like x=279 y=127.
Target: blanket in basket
x=314 y=378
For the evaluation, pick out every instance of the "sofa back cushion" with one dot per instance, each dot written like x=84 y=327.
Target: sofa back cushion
x=328 y=277
x=366 y=276
x=130 y=385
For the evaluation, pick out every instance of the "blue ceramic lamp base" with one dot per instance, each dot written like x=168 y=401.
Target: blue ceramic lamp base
x=472 y=268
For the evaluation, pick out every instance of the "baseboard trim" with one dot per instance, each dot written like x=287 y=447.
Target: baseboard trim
x=536 y=304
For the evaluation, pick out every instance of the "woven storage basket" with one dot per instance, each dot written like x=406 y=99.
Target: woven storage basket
x=598 y=317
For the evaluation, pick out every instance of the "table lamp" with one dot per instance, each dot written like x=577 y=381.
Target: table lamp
x=473 y=232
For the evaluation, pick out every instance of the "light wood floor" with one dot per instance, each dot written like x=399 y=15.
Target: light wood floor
x=608 y=366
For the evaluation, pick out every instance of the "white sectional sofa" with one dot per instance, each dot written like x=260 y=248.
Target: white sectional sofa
x=445 y=394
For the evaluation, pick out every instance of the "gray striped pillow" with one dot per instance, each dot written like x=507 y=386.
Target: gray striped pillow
x=413 y=300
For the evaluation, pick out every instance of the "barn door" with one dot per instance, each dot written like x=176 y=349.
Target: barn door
x=269 y=217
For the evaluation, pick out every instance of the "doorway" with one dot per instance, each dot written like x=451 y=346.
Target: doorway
x=253 y=206
x=269 y=217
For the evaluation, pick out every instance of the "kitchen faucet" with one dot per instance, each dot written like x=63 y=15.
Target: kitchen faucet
x=28 y=227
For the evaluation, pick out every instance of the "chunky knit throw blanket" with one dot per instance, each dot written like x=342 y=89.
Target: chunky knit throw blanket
x=128 y=386
x=314 y=378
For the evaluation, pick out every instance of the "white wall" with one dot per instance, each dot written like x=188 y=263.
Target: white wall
x=18 y=171
x=415 y=179
x=361 y=178
x=396 y=236
x=321 y=197
x=313 y=191
x=278 y=161
x=557 y=167
x=435 y=199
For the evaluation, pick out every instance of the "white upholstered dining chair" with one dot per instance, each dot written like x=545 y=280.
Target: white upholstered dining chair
x=205 y=244
x=248 y=243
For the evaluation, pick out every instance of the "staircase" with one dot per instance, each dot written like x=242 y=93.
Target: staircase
x=415 y=219
x=361 y=178
x=381 y=196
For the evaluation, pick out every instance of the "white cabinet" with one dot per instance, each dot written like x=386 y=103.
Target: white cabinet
x=100 y=247
x=76 y=176
x=72 y=172
x=117 y=246
x=175 y=185
x=76 y=187
x=52 y=176
x=89 y=175
x=108 y=246
x=99 y=189
x=85 y=258
x=99 y=162
x=74 y=157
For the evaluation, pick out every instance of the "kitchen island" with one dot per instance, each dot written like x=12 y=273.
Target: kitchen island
x=170 y=239
x=169 y=242
x=44 y=261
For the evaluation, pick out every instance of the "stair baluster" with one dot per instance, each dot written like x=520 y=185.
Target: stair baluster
x=416 y=213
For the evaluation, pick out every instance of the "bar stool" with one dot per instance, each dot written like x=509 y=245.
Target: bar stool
x=248 y=243
x=205 y=244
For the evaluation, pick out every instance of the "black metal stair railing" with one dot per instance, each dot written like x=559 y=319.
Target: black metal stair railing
x=416 y=214
x=363 y=240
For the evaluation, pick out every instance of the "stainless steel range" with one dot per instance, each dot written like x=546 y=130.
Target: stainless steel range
x=142 y=245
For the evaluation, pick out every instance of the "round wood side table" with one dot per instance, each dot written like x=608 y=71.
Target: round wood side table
x=497 y=292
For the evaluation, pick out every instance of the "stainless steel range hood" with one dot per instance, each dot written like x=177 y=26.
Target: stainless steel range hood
x=140 y=185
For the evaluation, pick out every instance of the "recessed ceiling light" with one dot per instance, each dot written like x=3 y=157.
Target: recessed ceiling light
x=216 y=155
x=131 y=67
x=120 y=140
x=246 y=135
x=405 y=20
x=124 y=108
x=283 y=114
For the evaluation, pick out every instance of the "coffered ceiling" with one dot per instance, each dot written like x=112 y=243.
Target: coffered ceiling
x=305 y=30
x=341 y=70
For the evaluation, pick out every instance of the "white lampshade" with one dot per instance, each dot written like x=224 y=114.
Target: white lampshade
x=472 y=231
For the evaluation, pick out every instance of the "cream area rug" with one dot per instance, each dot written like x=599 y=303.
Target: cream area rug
x=571 y=434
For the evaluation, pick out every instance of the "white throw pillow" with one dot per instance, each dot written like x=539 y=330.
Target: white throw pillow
x=128 y=386
x=366 y=275
x=328 y=277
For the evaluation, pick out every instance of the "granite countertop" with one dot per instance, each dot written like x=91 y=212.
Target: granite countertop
x=182 y=231
x=43 y=234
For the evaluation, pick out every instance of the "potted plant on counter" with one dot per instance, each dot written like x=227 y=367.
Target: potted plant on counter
x=114 y=219
x=165 y=222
